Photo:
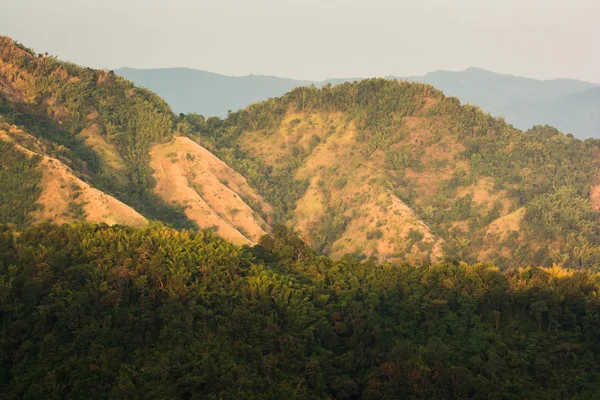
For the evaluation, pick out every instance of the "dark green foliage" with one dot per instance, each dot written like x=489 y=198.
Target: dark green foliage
x=379 y=118
x=98 y=312
x=19 y=184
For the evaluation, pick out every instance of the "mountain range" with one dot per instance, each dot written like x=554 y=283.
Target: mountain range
x=570 y=105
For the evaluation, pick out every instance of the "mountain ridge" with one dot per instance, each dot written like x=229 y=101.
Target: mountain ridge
x=493 y=92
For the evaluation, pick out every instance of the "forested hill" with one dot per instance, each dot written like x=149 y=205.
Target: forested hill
x=97 y=123
x=370 y=240
x=390 y=169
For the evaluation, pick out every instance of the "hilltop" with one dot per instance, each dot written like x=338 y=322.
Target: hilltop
x=396 y=170
x=369 y=240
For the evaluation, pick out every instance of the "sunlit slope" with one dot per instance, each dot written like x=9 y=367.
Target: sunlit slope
x=212 y=193
x=396 y=170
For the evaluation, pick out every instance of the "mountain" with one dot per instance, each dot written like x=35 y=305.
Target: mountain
x=524 y=102
x=91 y=311
x=492 y=91
x=62 y=197
x=383 y=169
x=396 y=170
x=577 y=113
x=190 y=90
x=368 y=240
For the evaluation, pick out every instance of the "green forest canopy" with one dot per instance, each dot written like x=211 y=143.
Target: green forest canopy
x=95 y=311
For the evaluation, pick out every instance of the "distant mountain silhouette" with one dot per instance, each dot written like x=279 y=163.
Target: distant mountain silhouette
x=577 y=113
x=571 y=105
x=208 y=93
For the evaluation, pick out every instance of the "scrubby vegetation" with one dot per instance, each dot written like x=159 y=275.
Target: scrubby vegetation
x=94 y=312
x=459 y=169
x=334 y=162
x=372 y=170
x=19 y=184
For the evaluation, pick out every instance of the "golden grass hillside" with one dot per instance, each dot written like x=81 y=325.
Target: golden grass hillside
x=213 y=194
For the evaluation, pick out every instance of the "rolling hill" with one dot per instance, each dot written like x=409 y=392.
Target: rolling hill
x=382 y=169
x=351 y=235
x=396 y=170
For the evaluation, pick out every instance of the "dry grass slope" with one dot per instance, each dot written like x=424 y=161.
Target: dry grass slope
x=213 y=194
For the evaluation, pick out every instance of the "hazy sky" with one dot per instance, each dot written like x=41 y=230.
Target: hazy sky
x=316 y=39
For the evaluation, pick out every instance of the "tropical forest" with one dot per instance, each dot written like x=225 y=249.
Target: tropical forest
x=366 y=239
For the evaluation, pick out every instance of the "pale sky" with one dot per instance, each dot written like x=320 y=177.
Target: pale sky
x=316 y=39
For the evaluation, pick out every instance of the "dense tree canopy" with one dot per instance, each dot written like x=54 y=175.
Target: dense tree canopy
x=19 y=180
x=96 y=311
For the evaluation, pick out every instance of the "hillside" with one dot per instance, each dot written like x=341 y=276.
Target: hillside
x=55 y=193
x=98 y=124
x=98 y=312
x=396 y=170
x=381 y=169
x=212 y=194
x=95 y=134
x=371 y=240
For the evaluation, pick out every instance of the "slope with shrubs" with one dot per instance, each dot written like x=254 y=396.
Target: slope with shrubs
x=334 y=161
x=105 y=130
x=38 y=188
x=382 y=169
x=212 y=194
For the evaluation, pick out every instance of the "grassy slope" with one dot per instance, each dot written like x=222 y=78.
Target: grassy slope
x=334 y=161
x=212 y=193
